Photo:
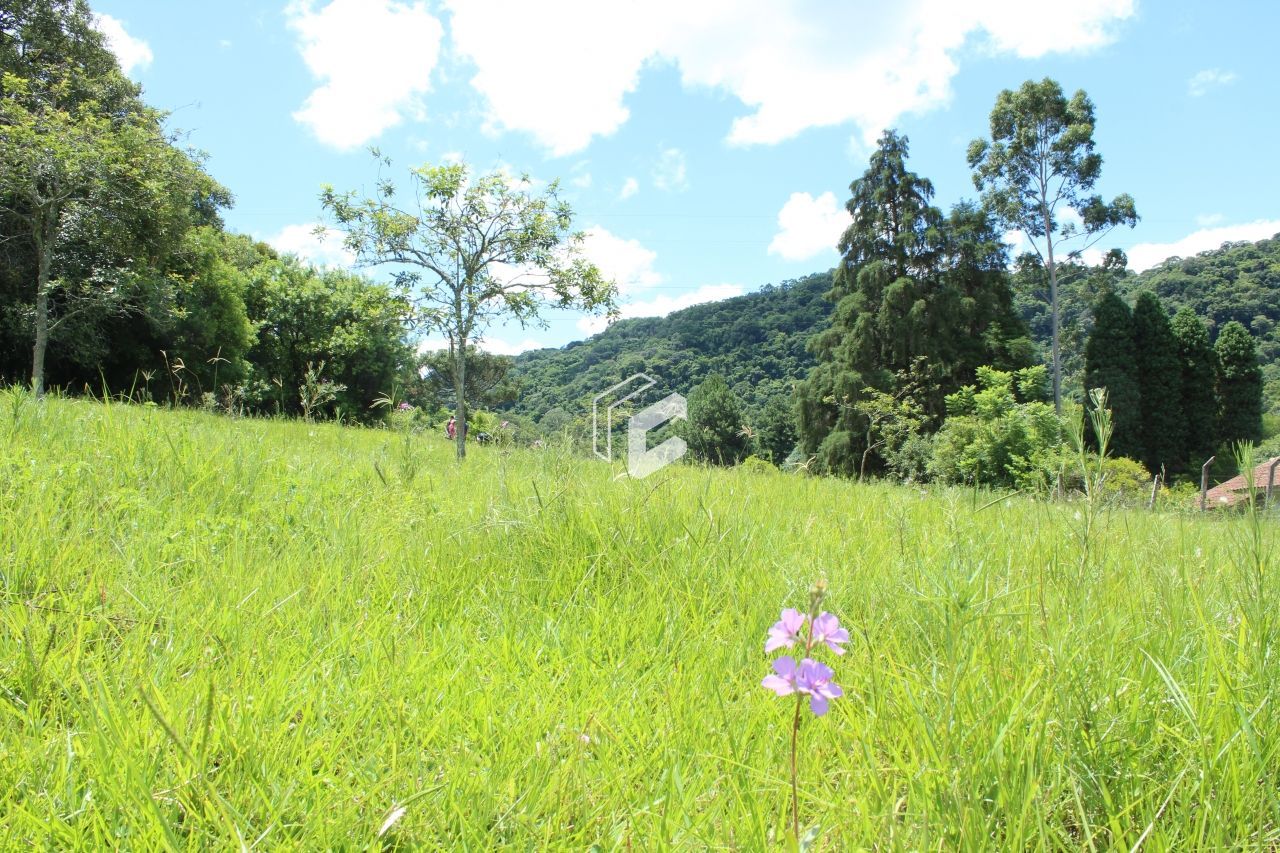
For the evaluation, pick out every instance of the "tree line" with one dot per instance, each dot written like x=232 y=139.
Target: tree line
x=118 y=275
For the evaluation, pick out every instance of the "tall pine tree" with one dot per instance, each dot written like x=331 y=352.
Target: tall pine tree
x=1110 y=362
x=911 y=284
x=1164 y=439
x=1239 y=385
x=1199 y=367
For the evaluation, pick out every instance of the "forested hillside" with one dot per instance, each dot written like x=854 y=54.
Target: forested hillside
x=1241 y=282
x=756 y=341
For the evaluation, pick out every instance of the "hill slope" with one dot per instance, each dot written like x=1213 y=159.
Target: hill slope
x=756 y=341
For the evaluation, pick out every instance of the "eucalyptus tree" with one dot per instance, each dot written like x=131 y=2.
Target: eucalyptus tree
x=1036 y=174
x=479 y=249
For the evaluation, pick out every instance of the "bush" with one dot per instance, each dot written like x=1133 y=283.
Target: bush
x=755 y=465
x=1124 y=480
x=992 y=439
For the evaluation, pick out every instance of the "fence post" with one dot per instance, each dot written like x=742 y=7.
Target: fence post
x=1271 y=479
x=1204 y=481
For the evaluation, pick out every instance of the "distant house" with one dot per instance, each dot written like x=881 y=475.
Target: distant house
x=1236 y=490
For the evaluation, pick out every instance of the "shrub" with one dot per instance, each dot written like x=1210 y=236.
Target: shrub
x=755 y=465
x=992 y=439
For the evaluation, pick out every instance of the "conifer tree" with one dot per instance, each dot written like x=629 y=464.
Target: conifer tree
x=1163 y=431
x=1110 y=362
x=913 y=287
x=1199 y=366
x=1239 y=385
x=714 y=431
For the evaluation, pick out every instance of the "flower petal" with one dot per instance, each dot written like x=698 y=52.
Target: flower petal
x=778 y=685
x=786 y=667
x=818 y=704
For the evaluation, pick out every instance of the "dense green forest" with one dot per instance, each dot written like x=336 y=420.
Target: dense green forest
x=757 y=341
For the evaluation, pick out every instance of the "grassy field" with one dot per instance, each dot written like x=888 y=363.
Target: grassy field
x=217 y=633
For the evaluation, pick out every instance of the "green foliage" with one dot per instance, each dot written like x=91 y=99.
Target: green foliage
x=992 y=438
x=238 y=631
x=1039 y=164
x=755 y=465
x=1199 y=374
x=1120 y=481
x=916 y=294
x=775 y=432
x=756 y=342
x=489 y=383
x=1240 y=282
x=1111 y=363
x=460 y=247
x=93 y=190
x=1159 y=373
x=304 y=317
x=1239 y=386
x=714 y=429
x=208 y=324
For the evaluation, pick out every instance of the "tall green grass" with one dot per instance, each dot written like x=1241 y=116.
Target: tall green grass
x=219 y=633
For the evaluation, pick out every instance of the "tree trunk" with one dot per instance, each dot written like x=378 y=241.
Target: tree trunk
x=44 y=250
x=1053 y=310
x=460 y=389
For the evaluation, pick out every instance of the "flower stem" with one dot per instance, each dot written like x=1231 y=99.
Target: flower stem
x=795 y=786
x=816 y=595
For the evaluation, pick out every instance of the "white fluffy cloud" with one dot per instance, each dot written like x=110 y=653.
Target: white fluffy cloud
x=631 y=265
x=796 y=65
x=374 y=58
x=625 y=261
x=630 y=188
x=809 y=226
x=301 y=240
x=1210 y=78
x=131 y=52
x=662 y=305
x=1146 y=255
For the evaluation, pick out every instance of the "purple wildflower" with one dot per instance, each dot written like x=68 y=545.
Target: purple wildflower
x=815 y=679
x=784 y=682
x=826 y=629
x=405 y=406
x=785 y=631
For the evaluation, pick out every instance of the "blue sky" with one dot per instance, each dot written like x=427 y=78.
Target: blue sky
x=707 y=147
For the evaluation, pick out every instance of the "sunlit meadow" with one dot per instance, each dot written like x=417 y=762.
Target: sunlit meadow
x=219 y=633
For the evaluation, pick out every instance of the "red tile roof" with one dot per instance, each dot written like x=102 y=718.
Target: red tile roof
x=1236 y=489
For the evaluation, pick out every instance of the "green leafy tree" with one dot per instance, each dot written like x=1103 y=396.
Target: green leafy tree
x=714 y=429
x=776 y=429
x=90 y=185
x=1239 y=385
x=1039 y=164
x=479 y=248
x=306 y=318
x=1159 y=370
x=1110 y=362
x=1198 y=364
x=489 y=381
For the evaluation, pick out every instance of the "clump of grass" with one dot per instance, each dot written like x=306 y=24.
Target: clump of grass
x=218 y=633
